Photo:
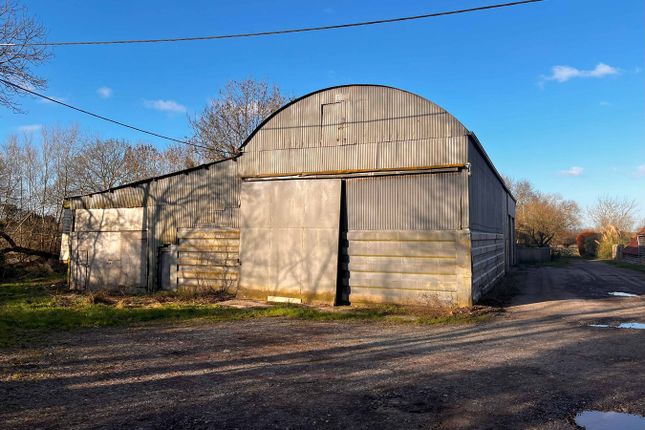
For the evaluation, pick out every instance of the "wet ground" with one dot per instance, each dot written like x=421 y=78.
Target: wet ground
x=535 y=366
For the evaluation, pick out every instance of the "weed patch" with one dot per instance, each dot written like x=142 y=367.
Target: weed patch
x=31 y=309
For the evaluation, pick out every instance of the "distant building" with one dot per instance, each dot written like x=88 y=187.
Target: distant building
x=352 y=194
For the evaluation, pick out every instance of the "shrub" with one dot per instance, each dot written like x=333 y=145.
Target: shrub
x=588 y=250
x=564 y=251
x=610 y=236
x=590 y=246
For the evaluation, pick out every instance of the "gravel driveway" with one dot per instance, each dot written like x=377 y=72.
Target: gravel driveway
x=533 y=366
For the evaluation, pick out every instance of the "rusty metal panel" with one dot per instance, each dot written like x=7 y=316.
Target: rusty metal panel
x=406 y=202
x=354 y=127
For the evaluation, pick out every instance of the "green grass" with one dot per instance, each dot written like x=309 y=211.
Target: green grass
x=624 y=265
x=31 y=309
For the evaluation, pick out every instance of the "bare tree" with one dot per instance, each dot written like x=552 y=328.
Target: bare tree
x=36 y=176
x=17 y=60
x=613 y=211
x=542 y=218
x=228 y=120
x=179 y=157
x=100 y=165
x=62 y=144
x=26 y=221
x=144 y=161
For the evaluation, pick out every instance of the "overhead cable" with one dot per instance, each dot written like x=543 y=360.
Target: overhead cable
x=102 y=117
x=278 y=32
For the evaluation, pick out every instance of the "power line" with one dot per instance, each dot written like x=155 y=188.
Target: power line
x=279 y=32
x=104 y=118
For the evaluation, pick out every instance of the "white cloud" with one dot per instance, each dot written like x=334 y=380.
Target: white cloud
x=165 y=106
x=605 y=103
x=573 y=171
x=30 y=128
x=565 y=73
x=640 y=170
x=104 y=92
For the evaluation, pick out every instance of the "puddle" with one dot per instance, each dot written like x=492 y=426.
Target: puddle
x=622 y=294
x=630 y=325
x=598 y=420
x=637 y=326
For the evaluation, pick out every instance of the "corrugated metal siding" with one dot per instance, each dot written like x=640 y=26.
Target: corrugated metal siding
x=488 y=198
x=207 y=196
x=492 y=211
x=488 y=257
x=406 y=202
x=404 y=267
x=207 y=259
x=376 y=128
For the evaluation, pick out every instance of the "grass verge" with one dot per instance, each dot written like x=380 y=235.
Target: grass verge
x=624 y=265
x=30 y=309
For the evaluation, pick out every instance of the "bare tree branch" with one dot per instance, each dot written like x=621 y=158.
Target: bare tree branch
x=16 y=61
x=228 y=120
x=608 y=210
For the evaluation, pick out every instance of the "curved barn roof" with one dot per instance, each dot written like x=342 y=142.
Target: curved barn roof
x=354 y=128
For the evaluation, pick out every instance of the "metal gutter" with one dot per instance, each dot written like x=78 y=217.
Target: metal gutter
x=331 y=174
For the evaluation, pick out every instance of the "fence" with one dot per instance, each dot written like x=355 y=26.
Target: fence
x=630 y=254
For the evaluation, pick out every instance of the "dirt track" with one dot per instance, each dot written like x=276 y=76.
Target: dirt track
x=531 y=367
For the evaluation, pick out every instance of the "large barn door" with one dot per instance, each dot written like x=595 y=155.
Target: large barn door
x=404 y=242
x=289 y=240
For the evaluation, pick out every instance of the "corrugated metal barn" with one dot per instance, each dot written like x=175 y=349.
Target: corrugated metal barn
x=352 y=194
x=118 y=237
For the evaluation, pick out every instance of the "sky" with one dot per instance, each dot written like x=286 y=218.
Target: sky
x=555 y=91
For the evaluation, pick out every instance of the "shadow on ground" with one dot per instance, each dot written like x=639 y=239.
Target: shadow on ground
x=532 y=367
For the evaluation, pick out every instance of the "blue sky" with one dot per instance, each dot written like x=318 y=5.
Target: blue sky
x=577 y=130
